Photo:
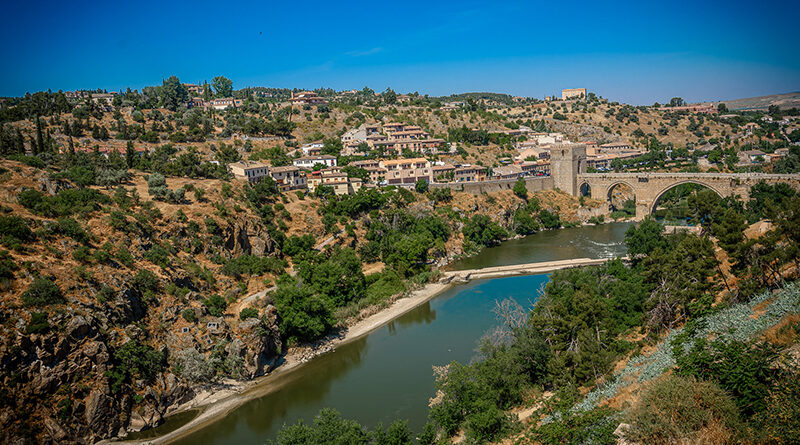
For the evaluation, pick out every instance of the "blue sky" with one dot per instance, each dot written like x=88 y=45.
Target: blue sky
x=636 y=52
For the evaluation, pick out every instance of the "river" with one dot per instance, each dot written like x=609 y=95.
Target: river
x=388 y=374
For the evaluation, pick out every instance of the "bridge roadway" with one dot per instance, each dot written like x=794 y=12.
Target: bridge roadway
x=462 y=276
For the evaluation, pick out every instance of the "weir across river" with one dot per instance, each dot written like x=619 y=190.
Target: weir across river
x=457 y=276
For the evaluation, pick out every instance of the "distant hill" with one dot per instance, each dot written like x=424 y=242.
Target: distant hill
x=784 y=101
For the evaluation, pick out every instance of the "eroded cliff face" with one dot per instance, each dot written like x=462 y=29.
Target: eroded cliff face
x=107 y=357
x=63 y=379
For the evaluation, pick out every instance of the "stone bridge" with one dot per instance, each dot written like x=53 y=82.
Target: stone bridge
x=649 y=187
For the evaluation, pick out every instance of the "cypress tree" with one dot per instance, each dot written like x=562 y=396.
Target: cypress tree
x=39 y=137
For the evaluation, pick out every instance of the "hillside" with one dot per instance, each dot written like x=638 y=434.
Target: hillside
x=122 y=303
x=782 y=101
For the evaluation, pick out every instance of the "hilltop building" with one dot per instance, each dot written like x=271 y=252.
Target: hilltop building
x=573 y=93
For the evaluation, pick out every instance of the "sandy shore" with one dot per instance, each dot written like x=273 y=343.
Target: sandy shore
x=218 y=403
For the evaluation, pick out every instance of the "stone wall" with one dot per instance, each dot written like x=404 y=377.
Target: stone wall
x=533 y=184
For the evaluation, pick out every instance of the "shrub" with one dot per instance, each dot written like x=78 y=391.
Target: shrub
x=673 y=408
x=215 y=305
x=438 y=195
x=7 y=267
x=253 y=265
x=64 y=203
x=743 y=371
x=779 y=423
x=81 y=254
x=42 y=292
x=146 y=283
x=38 y=323
x=248 y=312
x=134 y=360
x=14 y=231
x=124 y=256
x=73 y=229
x=106 y=293
x=483 y=231
x=189 y=315
x=31 y=161
x=550 y=220
x=595 y=426
x=158 y=256
x=193 y=366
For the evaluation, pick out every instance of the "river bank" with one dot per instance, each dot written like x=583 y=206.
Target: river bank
x=549 y=248
x=216 y=403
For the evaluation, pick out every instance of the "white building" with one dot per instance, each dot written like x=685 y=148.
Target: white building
x=311 y=161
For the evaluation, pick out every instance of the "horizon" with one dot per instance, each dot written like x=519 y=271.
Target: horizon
x=649 y=53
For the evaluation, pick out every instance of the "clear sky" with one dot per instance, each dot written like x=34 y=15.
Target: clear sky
x=637 y=52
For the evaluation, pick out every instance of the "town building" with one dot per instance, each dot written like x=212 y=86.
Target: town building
x=336 y=180
x=533 y=150
x=749 y=128
x=312 y=148
x=193 y=89
x=452 y=106
x=249 y=170
x=373 y=167
x=222 y=103
x=752 y=156
x=443 y=173
x=414 y=145
x=535 y=168
x=311 y=161
x=507 y=172
x=614 y=147
x=406 y=172
x=469 y=173
x=573 y=93
x=288 y=177
x=307 y=98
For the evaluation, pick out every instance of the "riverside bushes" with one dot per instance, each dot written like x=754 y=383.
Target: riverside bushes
x=673 y=409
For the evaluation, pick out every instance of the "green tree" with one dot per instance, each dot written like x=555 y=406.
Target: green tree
x=173 y=93
x=520 y=189
x=304 y=315
x=645 y=238
x=389 y=96
x=481 y=230
x=223 y=87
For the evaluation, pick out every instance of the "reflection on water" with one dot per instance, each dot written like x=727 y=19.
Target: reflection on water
x=388 y=374
x=170 y=424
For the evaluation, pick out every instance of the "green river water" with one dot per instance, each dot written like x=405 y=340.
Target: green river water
x=388 y=375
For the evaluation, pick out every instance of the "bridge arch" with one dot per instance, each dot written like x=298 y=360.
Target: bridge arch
x=664 y=190
x=585 y=189
x=616 y=184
